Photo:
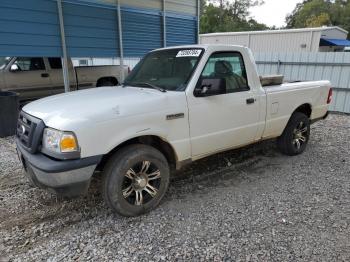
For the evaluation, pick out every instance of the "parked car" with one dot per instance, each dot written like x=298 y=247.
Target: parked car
x=178 y=105
x=37 y=77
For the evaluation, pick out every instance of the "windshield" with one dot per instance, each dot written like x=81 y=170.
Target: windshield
x=4 y=61
x=169 y=69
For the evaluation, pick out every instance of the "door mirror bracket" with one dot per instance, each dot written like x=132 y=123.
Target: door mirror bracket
x=210 y=87
x=205 y=89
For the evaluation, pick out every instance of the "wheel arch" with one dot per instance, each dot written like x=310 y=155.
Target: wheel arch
x=112 y=79
x=152 y=140
x=305 y=109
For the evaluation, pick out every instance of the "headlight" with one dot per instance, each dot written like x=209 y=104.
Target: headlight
x=58 y=142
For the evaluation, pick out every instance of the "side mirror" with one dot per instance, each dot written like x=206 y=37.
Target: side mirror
x=14 y=68
x=210 y=87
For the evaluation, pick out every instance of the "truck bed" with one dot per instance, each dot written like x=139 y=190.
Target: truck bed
x=285 y=98
x=89 y=74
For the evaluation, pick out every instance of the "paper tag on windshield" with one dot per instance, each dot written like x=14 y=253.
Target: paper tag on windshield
x=189 y=52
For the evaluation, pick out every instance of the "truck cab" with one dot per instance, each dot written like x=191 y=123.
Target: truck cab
x=37 y=77
x=34 y=77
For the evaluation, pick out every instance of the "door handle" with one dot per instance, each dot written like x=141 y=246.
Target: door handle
x=45 y=75
x=250 y=101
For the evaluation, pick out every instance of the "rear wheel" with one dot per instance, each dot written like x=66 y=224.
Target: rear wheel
x=135 y=180
x=295 y=136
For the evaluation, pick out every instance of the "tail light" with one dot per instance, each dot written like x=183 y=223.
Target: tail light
x=330 y=94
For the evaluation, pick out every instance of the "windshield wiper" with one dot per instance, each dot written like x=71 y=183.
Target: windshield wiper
x=148 y=85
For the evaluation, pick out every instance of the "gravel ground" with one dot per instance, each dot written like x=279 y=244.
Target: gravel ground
x=251 y=204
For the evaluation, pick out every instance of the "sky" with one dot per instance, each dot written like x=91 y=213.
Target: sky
x=274 y=12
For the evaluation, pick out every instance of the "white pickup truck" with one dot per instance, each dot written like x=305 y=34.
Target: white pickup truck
x=37 y=77
x=178 y=105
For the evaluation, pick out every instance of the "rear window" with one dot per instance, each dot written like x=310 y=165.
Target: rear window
x=55 y=62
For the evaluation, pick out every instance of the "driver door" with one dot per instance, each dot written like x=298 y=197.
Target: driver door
x=30 y=78
x=228 y=119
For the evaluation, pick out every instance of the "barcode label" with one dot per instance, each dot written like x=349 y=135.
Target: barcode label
x=190 y=52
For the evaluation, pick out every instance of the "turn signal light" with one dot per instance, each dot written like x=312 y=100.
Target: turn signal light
x=330 y=94
x=68 y=143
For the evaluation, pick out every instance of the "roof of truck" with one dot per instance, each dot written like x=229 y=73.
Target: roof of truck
x=204 y=46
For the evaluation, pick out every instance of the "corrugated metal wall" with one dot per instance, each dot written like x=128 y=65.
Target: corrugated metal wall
x=294 y=42
x=142 y=31
x=31 y=27
x=272 y=42
x=179 y=6
x=312 y=66
x=130 y=61
x=90 y=29
x=181 y=30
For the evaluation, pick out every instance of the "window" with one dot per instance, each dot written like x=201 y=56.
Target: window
x=83 y=62
x=230 y=67
x=30 y=63
x=170 y=69
x=4 y=61
x=55 y=62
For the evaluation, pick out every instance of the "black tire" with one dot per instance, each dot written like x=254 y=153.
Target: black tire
x=295 y=136
x=130 y=162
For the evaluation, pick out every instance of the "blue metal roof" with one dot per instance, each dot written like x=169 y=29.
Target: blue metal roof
x=334 y=42
x=31 y=28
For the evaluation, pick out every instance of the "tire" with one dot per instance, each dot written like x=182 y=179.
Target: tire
x=295 y=136
x=135 y=180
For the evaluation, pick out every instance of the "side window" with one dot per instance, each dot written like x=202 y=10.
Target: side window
x=55 y=62
x=229 y=67
x=30 y=63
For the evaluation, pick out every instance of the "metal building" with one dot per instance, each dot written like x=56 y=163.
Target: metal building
x=290 y=40
x=95 y=28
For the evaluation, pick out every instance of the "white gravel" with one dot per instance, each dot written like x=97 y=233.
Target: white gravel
x=252 y=204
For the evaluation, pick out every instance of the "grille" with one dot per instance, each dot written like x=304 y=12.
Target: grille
x=29 y=131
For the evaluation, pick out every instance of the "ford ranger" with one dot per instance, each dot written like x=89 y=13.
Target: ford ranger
x=178 y=105
x=37 y=77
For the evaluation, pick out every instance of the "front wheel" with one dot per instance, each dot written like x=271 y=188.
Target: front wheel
x=295 y=136
x=135 y=180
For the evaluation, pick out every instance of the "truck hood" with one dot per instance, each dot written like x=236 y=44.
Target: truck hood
x=97 y=105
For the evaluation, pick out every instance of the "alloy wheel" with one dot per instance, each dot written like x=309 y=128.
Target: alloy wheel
x=300 y=135
x=141 y=183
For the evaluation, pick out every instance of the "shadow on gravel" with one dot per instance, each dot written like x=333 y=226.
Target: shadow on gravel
x=213 y=169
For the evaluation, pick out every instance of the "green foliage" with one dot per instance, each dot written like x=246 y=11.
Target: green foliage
x=313 y=13
x=228 y=16
x=318 y=20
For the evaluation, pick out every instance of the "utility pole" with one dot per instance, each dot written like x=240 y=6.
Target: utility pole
x=64 y=48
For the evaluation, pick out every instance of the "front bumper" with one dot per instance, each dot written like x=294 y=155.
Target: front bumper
x=69 y=177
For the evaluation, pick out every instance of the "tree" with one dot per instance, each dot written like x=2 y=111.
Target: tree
x=228 y=16
x=314 y=13
x=240 y=8
x=319 y=20
x=305 y=11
